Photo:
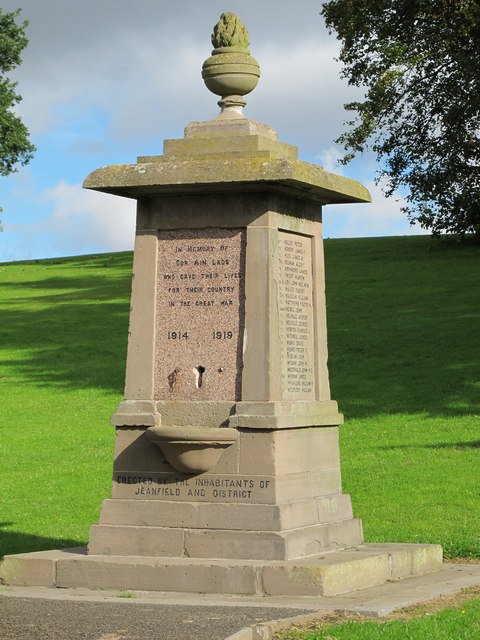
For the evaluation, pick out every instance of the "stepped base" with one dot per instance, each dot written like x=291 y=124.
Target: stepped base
x=117 y=540
x=330 y=574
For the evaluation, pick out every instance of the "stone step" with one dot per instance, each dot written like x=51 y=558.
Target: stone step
x=121 y=540
x=226 y=515
x=326 y=575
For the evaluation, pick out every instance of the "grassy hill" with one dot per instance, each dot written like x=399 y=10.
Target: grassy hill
x=404 y=343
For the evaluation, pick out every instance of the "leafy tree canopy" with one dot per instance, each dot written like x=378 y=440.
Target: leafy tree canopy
x=419 y=62
x=15 y=147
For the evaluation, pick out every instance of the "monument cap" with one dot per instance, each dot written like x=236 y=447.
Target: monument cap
x=230 y=152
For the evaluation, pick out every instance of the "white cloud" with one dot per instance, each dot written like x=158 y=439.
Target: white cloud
x=329 y=158
x=381 y=217
x=79 y=222
x=83 y=218
x=161 y=96
x=301 y=93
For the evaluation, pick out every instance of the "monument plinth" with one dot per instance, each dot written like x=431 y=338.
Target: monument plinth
x=227 y=465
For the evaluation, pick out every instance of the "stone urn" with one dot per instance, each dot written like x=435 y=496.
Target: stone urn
x=230 y=72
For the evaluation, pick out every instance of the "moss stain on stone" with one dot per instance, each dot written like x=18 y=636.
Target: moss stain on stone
x=230 y=32
x=312 y=575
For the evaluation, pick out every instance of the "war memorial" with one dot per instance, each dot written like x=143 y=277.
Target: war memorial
x=227 y=470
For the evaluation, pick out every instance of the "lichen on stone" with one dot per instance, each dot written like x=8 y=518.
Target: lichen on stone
x=230 y=32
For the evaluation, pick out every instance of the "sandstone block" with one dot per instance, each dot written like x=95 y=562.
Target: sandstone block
x=412 y=559
x=135 y=541
x=134 y=452
x=22 y=571
x=153 y=574
x=327 y=578
x=267 y=545
x=298 y=486
x=35 y=569
x=332 y=508
x=225 y=515
x=289 y=451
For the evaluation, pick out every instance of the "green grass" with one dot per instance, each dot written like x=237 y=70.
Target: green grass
x=459 y=623
x=404 y=343
x=63 y=332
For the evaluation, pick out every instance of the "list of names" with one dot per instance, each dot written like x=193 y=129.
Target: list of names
x=295 y=306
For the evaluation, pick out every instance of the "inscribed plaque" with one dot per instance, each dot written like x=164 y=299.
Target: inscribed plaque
x=295 y=311
x=258 y=489
x=200 y=314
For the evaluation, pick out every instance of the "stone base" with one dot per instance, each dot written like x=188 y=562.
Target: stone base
x=324 y=575
x=116 y=540
x=225 y=530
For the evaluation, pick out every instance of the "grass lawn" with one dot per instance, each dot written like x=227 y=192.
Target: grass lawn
x=404 y=345
x=404 y=342
x=436 y=621
x=63 y=333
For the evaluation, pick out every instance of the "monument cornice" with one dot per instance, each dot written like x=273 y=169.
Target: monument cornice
x=213 y=174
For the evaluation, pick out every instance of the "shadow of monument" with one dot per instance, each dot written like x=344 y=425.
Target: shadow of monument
x=73 y=332
x=12 y=541
x=469 y=444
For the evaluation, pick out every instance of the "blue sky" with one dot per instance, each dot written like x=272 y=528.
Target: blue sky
x=105 y=81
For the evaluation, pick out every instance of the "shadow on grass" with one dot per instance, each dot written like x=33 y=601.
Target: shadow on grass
x=68 y=329
x=18 y=542
x=473 y=444
x=403 y=326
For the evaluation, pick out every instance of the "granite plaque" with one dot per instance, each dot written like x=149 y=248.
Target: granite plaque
x=200 y=315
x=295 y=309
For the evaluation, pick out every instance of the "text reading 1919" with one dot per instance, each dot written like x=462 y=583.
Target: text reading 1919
x=222 y=335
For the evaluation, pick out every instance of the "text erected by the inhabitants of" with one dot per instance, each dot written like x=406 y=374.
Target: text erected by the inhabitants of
x=295 y=300
x=167 y=486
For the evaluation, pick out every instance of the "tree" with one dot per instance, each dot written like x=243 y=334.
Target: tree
x=15 y=147
x=419 y=62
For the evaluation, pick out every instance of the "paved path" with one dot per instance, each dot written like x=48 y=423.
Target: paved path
x=39 y=619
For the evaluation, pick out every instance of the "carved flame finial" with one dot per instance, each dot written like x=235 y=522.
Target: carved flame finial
x=230 y=32
x=230 y=72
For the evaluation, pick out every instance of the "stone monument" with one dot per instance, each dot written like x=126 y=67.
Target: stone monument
x=226 y=473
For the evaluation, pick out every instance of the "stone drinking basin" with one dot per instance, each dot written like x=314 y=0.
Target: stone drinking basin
x=192 y=449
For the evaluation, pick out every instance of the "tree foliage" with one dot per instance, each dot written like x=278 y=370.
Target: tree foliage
x=15 y=147
x=419 y=62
